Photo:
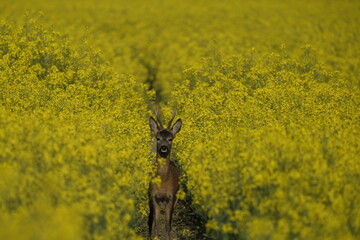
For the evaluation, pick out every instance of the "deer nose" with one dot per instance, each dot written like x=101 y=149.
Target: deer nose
x=163 y=149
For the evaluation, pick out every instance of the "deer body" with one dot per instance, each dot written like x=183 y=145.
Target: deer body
x=165 y=191
x=169 y=175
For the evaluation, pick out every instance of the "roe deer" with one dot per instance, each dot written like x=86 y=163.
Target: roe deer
x=165 y=191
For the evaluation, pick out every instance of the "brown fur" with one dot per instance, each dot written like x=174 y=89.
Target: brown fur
x=165 y=191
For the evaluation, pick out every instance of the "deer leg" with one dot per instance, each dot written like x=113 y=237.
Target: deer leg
x=169 y=210
x=151 y=216
x=157 y=217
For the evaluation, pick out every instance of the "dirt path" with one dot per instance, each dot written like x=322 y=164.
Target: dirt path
x=186 y=225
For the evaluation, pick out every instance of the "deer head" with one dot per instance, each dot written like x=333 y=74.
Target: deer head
x=164 y=136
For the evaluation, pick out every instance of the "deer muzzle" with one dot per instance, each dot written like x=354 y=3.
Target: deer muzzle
x=164 y=149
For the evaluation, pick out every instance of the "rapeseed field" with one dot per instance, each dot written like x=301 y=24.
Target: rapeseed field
x=268 y=92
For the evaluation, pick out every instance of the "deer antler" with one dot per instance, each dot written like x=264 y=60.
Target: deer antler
x=157 y=114
x=172 y=118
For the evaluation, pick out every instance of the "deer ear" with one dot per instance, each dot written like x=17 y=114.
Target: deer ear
x=176 y=127
x=153 y=125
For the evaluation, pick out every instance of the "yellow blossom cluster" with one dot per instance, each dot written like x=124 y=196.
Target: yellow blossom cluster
x=270 y=148
x=155 y=40
x=74 y=149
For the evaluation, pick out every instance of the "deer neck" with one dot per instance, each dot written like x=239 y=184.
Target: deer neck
x=163 y=165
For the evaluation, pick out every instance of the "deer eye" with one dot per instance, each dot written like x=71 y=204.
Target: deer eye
x=158 y=139
x=170 y=139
